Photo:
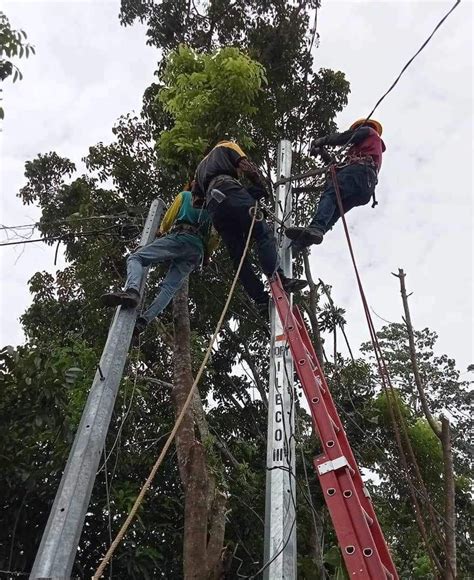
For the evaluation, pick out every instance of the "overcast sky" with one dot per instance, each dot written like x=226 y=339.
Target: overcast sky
x=89 y=70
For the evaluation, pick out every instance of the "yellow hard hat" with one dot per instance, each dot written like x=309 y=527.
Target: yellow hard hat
x=371 y=122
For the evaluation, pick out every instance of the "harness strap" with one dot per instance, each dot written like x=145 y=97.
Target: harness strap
x=365 y=160
x=374 y=201
x=213 y=192
x=184 y=227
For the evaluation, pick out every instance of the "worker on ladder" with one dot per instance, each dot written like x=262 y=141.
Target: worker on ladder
x=230 y=206
x=356 y=177
x=184 y=241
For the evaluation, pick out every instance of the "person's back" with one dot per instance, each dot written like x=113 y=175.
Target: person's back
x=371 y=146
x=223 y=159
x=184 y=212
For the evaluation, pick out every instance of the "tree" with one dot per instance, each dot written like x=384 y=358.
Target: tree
x=208 y=96
x=443 y=392
x=442 y=430
x=12 y=44
x=97 y=217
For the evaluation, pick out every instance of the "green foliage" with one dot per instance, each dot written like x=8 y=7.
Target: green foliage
x=335 y=561
x=12 y=45
x=209 y=97
x=206 y=89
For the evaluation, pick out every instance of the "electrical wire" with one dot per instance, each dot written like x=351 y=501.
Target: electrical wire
x=62 y=237
x=36 y=225
x=395 y=82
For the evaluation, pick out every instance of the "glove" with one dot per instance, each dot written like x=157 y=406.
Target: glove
x=257 y=192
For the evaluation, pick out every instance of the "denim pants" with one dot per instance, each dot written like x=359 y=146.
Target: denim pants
x=183 y=257
x=232 y=220
x=356 y=184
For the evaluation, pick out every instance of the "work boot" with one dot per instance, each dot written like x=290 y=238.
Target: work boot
x=140 y=326
x=128 y=299
x=292 y=284
x=305 y=236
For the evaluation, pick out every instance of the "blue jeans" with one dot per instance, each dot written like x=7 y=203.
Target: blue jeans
x=183 y=257
x=232 y=220
x=356 y=183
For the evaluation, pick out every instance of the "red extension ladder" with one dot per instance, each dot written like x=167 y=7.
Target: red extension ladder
x=360 y=537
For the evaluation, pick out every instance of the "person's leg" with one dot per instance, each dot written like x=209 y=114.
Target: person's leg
x=234 y=239
x=303 y=237
x=327 y=207
x=179 y=268
x=266 y=247
x=161 y=250
x=355 y=190
x=265 y=241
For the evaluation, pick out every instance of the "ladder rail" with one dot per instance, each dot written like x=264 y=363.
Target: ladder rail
x=364 y=497
x=362 y=543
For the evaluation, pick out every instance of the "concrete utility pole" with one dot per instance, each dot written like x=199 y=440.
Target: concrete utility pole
x=58 y=548
x=280 y=501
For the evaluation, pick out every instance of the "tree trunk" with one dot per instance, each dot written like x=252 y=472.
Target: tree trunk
x=444 y=435
x=414 y=363
x=204 y=508
x=449 y=501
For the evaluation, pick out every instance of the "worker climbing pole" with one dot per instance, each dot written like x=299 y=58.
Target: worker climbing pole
x=58 y=548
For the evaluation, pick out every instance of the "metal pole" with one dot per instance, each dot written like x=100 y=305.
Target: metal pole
x=60 y=540
x=280 y=501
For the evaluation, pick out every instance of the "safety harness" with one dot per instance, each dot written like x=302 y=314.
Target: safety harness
x=368 y=162
x=213 y=191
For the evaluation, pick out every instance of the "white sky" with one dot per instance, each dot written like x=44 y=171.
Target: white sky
x=88 y=70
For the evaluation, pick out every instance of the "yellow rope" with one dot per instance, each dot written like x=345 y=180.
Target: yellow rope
x=118 y=538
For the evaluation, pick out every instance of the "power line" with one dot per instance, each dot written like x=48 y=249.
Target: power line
x=412 y=59
x=63 y=237
x=36 y=225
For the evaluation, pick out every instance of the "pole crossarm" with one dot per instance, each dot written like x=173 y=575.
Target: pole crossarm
x=300 y=176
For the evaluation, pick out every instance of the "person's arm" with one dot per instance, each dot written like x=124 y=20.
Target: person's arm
x=244 y=166
x=350 y=137
x=251 y=172
x=171 y=215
